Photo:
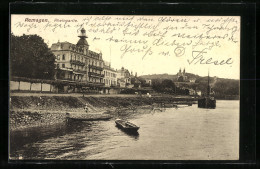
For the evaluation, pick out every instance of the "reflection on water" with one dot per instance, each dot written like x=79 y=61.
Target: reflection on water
x=164 y=134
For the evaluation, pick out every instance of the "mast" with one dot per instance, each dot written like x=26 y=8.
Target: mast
x=208 y=89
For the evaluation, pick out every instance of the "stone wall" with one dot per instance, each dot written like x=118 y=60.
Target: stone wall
x=27 y=86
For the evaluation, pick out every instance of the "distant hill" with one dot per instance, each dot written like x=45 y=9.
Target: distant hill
x=221 y=86
x=167 y=76
x=159 y=76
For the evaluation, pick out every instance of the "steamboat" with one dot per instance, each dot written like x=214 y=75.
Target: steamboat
x=207 y=101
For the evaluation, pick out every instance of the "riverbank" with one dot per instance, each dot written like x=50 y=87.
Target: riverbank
x=41 y=110
x=188 y=133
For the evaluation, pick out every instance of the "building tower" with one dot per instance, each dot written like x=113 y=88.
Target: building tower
x=82 y=41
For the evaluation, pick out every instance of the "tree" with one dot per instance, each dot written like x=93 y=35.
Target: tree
x=166 y=86
x=143 y=82
x=156 y=85
x=30 y=57
x=180 y=79
x=167 y=83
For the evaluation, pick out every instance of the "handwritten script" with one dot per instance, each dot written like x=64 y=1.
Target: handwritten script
x=197 y=39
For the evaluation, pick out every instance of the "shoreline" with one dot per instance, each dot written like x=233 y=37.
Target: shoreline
x=43 y=110
x=26 y=93
x=33 y=111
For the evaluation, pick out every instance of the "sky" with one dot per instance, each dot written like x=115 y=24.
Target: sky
x=147 y=44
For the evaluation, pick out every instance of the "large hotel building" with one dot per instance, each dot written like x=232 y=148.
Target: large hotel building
x=77 y=62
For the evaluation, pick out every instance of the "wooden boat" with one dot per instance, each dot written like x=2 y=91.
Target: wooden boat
x=87 y=116
x=88 y=119
x=127 y=126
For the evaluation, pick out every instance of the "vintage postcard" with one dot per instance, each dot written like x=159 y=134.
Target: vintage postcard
x=124 y=87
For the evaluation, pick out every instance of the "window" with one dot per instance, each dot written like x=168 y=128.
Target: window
x=63 y=57
x=63 y=65
x=58 y=57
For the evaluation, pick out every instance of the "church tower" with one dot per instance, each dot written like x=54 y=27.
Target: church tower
x=82 y=41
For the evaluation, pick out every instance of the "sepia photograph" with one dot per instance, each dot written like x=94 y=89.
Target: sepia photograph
x=124 y=87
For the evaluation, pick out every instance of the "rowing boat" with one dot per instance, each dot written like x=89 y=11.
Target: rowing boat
x=126 y=125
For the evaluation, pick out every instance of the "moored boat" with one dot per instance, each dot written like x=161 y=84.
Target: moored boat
x=88 y=119
x=126 y=125
x=208 y=102
x=87 y=116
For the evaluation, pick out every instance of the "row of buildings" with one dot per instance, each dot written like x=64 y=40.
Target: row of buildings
x=76 y=63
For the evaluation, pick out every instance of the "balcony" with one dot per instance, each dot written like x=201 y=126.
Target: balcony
x=96 y=84
x=64 y=79
x=79 y=71
x=64 y=69
x=113 y=85
x=96 y=67
x=93 y=74
x=77 y=62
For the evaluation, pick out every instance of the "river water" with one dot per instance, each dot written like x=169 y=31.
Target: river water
x=187 y=133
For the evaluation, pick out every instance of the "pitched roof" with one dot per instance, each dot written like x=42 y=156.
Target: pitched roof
x=62 y=45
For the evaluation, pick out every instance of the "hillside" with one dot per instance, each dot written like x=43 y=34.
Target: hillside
x=167 y=76
x=221 y=86
x=158 y=76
